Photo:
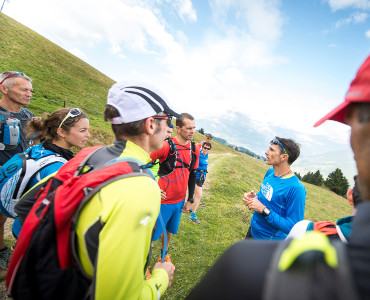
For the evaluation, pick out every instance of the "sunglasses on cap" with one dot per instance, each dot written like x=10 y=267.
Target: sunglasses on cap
x=74 y=112
x=168 y=118
x=13 y=74
x=277 y=142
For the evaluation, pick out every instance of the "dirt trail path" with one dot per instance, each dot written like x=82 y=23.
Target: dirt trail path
x=214 y=159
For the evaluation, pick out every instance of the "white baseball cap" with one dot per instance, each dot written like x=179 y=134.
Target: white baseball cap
x=135 y=102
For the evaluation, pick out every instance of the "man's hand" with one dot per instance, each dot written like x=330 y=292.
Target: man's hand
x=163 y=195
x=251 y=201
x=168 y=267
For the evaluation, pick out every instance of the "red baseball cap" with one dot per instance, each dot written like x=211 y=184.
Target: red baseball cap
x=359 y=91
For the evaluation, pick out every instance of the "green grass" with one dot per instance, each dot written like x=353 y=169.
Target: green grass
x=59 y=76
x=225 y=219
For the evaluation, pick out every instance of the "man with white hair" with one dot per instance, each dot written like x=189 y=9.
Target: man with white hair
x=16 y=91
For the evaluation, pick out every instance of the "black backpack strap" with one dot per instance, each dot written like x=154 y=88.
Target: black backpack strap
x=27 y=113
x=310 y=268
x=193 y=156
x=167 y=166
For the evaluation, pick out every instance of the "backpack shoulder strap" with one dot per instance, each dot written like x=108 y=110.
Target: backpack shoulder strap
x=299 y=264
x=193 y=156
x=341 y=235
x=326 y=227
x=27 y=113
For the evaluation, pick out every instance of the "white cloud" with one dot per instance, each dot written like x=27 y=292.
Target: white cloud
x=343 y=4
x=217 y=72
x=185 y=10
x=354 y=18
x=367 y=34
x=80 y=54
x=261 y=19
x=90 y=22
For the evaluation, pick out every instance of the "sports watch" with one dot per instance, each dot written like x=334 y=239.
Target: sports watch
x=266 y=211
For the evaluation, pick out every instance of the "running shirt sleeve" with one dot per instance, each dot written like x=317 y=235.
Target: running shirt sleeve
x=295 y=203
x=124 y=240
x=162 y=153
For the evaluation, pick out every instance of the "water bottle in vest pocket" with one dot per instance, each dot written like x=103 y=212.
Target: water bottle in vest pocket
x=11 y=132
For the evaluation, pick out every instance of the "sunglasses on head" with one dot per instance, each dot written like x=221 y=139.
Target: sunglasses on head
x=168 y=118
x=13 y=74
x=277 y=142
x=74 y=112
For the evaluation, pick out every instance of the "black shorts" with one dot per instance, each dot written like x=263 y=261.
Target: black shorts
x=199 y=182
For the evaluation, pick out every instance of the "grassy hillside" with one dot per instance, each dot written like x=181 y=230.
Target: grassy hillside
x=59 y=76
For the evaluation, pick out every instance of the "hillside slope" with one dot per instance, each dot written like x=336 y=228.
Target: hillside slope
x=57 y=75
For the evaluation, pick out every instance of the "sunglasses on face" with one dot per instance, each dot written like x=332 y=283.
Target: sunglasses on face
x=277 y=142
x=206 y=148
x=168 y=118
x=209 y=138
x=13 y=74
x=74 y=112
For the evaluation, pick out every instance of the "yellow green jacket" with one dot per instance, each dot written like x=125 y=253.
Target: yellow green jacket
x=115 y=227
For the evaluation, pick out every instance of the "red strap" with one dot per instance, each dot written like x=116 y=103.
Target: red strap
x=326 y=227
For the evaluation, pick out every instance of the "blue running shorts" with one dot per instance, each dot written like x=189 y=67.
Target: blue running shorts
x=171 y=215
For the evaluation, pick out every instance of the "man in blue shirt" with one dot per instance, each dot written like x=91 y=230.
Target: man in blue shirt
x=201 y=173
x=280 y=202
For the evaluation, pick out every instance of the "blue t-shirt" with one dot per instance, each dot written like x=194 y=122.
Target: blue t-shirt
x=203 y=164
x=285 y=197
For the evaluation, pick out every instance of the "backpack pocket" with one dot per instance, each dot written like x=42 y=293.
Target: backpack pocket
x=11 y=134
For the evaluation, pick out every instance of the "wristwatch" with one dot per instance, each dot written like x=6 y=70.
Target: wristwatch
x=266 y=211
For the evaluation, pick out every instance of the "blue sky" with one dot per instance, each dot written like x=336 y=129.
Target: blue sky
x=281 y=64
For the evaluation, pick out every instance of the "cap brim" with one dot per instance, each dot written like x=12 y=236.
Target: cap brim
x=337 y=114
x=171 y=113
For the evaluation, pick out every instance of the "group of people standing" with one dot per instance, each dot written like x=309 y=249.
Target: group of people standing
x=142 y=125
x=114 y=230
x=55 y=135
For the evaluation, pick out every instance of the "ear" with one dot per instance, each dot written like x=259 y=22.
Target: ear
x=3 y=89
x=350 y=196
x=285 y=157
x=61 y=132
x=150 y=126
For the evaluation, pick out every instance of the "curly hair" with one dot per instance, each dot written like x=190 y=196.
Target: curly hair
x=44 y=129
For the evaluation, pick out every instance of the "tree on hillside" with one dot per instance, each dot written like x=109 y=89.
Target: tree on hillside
x=308 y=177
x=298 y=175
x=201 y=130
x=314 y=178
x=337 y=183
x=318 y=179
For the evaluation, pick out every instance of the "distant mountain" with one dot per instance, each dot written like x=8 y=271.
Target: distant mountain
x=222 y=141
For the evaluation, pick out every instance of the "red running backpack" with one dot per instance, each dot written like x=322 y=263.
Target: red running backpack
x=43 y=264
